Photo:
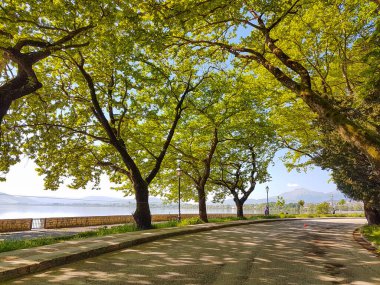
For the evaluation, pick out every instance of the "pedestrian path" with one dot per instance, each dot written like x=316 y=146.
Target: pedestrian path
x=25 y=261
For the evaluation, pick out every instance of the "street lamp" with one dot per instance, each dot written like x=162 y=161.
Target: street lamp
x=267 y=189
x=179 y=172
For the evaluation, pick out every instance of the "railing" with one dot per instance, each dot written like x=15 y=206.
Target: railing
x=38 y=224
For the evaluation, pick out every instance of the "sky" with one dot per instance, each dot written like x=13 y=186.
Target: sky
x=23 y=180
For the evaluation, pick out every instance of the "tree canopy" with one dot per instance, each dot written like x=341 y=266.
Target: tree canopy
x=122 y=88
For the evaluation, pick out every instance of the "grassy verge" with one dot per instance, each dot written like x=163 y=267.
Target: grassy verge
x=8 y=245
x=372 y=233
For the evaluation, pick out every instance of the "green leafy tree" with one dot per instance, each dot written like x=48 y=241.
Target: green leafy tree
x=111 y=108
x=341 y=203
x=325 y=53
x=208 y=122
x=280 y=203
x=323 y=208
x=301 y=204
x=319 y=72
x=242 y=163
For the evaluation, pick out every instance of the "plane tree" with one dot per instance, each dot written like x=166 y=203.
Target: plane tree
x=201 y=131
x=315 y=50
x=32 y=34
x=243 y=163
x=215 y=124
x=111 y=108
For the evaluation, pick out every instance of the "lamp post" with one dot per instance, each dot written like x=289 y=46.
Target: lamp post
x=267 y=189
x=179 y=172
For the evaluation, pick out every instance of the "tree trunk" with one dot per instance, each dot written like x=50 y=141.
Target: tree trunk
x=372 y=213
x=142 y=214
x=239 y=209
x=4 y=106
x=202 y=204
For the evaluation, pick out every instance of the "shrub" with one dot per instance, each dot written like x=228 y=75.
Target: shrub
x=190 y=221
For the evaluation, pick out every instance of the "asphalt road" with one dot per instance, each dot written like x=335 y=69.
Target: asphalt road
x=296 y=252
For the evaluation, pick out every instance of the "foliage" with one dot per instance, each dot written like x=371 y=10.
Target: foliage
x=325 y=54
x=341 y=202
x=280 y=202
x=372 y=233
x=190 y=221
x=301 y=203
x=30 y=34
x=323 y=208
x=125 y=87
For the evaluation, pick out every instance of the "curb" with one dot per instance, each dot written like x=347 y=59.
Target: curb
x=360 y=239
x=19 y=263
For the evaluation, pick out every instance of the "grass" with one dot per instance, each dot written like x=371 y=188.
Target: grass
x=9 y=245
x=372 y=233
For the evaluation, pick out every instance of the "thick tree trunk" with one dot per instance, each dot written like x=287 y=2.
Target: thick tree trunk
x=142 y=214
x=202 y=204
x=372 y=213
x=239 y=209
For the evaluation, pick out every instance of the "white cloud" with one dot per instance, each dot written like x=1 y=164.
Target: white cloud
x=292 y=185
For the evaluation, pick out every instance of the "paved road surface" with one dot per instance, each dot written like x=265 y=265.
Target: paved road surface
x=321 y=252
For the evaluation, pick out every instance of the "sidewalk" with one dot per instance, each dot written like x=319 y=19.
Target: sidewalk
x=21 y=262
x=48 y=232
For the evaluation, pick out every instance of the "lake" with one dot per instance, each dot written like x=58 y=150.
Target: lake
x=27 y=211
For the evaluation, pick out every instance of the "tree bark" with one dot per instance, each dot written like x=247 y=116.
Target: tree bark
x=239 y=209
x=372 y=213
x=16 y=88
x=202 y=204
x=142 y=214
x=4 y=106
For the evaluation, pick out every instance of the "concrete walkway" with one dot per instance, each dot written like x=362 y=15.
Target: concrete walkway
x=22 y=262
x=25 y=261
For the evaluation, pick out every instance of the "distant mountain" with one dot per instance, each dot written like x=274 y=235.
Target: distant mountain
x=311 y=196
x=297 y=194
x=6 y=199
x=10 y=199
x=290 y=197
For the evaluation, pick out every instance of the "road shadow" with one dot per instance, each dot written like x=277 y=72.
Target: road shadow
x=296 y=252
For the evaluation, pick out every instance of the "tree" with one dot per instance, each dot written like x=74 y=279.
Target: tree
x=341 y=203
x=323 y=208
x=314 y=50
x=284 y=33
x=280 y=203
x=113 y=108
x=243 y=162
x=210 y=120
x=301 y=204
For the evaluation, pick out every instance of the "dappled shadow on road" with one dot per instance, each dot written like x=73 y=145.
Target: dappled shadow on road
x=294 y=252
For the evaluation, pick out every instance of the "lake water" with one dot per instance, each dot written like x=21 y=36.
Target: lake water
x=25 y=211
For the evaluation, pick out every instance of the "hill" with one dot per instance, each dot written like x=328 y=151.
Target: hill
x=297 y=194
